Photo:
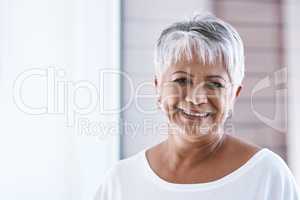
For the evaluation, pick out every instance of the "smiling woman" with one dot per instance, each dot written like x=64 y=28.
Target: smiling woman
x=199 y=72
x=196 y=95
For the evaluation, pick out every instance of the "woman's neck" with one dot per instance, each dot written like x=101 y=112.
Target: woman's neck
x=182 y=151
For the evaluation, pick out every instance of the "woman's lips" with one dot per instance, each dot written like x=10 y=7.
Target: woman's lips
x=195 y=115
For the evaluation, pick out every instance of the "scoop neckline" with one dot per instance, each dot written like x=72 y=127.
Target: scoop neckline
x=207 y=185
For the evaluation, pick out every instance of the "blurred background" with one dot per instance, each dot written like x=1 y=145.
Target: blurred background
x=77 y=91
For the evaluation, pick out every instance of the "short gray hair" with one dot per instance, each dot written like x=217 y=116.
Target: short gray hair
x=208 y=38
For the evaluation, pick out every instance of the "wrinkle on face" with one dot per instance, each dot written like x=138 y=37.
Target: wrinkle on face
x=196 y=76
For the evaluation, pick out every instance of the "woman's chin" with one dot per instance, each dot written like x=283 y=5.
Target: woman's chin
x=193 y=136
x=193 y=130
x=194 y=126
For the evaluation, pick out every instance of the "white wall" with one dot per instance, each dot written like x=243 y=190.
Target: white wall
x=48 y=155
x=292 y=15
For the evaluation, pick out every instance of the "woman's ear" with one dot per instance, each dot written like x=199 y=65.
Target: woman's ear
x=237 y=94
x=238 y=91
x=155 y=81
x=156 y=84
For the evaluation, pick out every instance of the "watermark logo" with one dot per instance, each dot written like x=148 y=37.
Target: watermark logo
x=278 y=82
x=64 y=97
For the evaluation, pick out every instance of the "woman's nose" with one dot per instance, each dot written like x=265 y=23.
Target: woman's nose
x=196 y=95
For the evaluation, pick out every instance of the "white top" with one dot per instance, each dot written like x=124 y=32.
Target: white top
x=265 y=176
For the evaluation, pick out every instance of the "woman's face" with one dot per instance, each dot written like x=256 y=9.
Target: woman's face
x=196 y=97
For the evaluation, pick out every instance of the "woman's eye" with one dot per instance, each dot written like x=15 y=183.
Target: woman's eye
x=214 y=85
x=182 y=81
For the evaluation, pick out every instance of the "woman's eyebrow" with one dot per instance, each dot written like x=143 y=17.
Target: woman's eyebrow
x=216 y=76
x=182 y=72
x=210 y=76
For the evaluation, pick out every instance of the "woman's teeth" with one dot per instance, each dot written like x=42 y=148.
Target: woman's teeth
x=202 y=114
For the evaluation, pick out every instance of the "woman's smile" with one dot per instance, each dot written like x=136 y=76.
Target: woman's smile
x=195 y=116
x=196 y=103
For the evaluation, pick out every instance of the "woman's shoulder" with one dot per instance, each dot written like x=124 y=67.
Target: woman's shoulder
x=126 y=166
x=237 y=143
x=118 y=174
x=271 y=169
x=269 y=160
x=240 y=150
x=264 y=158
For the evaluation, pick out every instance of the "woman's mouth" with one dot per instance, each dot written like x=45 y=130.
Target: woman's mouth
x=195 y=115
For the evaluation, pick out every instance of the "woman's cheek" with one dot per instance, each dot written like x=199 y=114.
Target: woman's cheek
x=173 y=103
x=220 y=108
x=171 y=98
x=169 y=108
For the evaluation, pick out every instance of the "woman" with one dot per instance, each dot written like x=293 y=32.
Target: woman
x=199 y=72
